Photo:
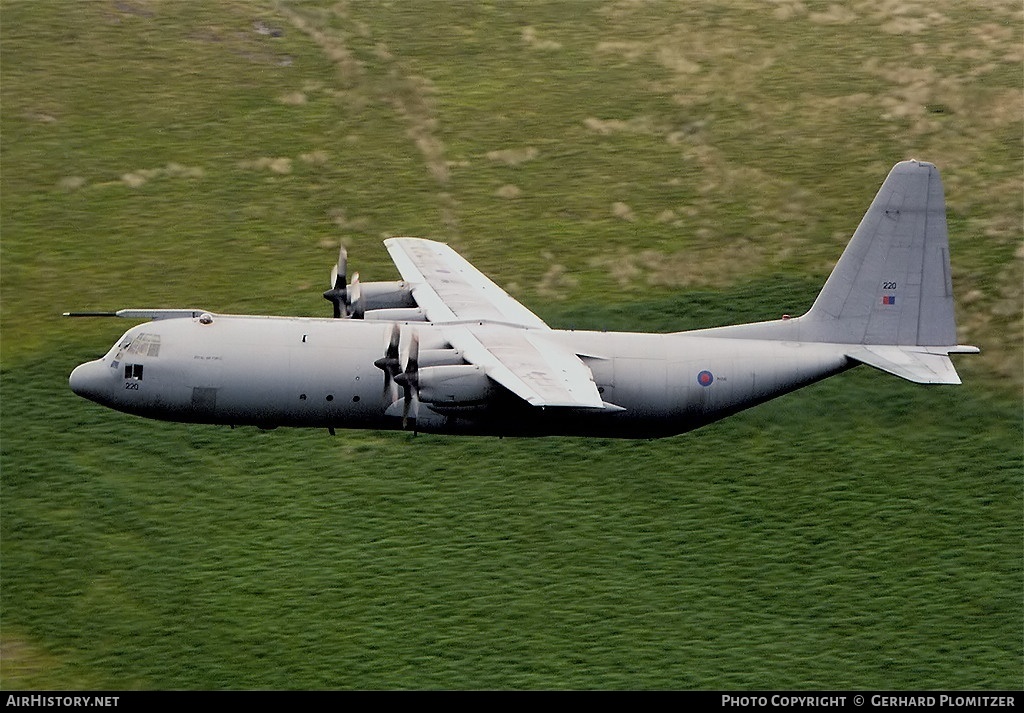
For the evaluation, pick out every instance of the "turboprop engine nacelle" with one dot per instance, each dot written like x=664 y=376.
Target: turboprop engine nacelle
x=461 y=385
x=386 y=295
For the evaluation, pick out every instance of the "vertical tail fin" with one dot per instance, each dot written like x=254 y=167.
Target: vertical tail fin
x=891 y=295
x=892 y=284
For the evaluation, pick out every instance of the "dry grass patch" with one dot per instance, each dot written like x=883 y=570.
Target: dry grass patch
x=139 y=177
x=637 y=125
x=557 y=283
x=281 y=165
x=315 y=158
x=514 y=157
x=71 y=183
x=340 y=217
x=622 y=211
x=333 y=45
x=411 y=96
x=710 y=267
x=834 y=15
x=293 y=99
x=533 y=41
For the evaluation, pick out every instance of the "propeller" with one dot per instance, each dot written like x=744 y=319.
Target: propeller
x=338 y=294
x=409 y=379
x=391 y=363
x=346 y=297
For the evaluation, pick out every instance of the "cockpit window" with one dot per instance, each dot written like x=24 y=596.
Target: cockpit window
x=145 y=344
x=133 y=371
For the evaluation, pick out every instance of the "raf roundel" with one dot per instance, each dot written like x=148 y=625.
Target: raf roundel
x=705 y=378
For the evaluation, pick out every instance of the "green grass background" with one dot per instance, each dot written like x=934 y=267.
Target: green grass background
x=651 y=166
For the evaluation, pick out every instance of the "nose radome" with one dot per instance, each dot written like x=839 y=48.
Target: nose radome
x=91 y=380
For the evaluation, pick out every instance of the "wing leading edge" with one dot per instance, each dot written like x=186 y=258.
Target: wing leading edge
x=491 y=329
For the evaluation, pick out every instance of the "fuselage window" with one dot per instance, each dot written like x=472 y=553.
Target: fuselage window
x=133 y=371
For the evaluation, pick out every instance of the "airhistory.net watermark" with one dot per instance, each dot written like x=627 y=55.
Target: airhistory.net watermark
x=51 y=701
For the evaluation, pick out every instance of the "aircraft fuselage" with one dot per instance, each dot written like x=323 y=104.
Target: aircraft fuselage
x=307 y=372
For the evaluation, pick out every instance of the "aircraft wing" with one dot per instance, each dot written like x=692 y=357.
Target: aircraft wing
x=491 y=329
x=540 y=372
x=449 y=289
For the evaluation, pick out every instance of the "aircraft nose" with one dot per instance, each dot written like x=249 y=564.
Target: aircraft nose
x=91 y=380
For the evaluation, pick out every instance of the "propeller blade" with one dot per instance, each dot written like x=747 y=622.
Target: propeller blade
x=412 y=359
x=340 y=270
x=396 y=337
x=405 y=413
x=409 y=379
x=390 y=363
x=337 y=295
x=356 y=303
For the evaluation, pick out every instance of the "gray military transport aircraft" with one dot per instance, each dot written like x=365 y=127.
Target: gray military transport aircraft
x=446 y=350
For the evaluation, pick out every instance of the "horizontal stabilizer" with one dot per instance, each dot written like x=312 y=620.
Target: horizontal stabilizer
x=920 y=365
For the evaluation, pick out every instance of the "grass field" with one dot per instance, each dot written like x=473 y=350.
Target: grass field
x=621 y=165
